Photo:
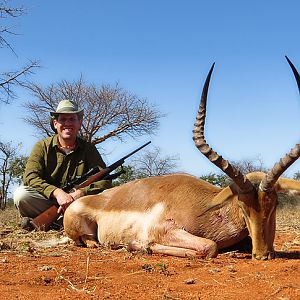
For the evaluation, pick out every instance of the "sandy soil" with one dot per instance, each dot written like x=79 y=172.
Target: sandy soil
x=30 y=269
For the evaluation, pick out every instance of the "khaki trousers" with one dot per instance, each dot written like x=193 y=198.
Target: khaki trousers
x=29 y=202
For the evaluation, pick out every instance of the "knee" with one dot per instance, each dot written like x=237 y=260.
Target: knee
x=19 y=195
x=212 y=249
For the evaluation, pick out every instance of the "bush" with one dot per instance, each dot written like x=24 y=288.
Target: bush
x=288 y=201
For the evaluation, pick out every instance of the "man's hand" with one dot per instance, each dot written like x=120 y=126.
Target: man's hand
x=77 y=194
x=64 y=199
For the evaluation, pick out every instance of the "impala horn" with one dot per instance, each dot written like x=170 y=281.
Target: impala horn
x=272 y=176
x=198 y=136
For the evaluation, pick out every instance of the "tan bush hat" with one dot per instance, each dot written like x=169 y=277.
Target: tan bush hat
x=66 y=107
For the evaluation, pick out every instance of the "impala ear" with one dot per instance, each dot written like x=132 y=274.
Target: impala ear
x=227 y=194
x=289 y=186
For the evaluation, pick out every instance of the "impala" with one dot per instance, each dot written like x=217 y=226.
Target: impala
x=182 y=215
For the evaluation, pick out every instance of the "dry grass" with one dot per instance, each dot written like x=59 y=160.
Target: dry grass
x=288 y=218
x=9 y=217
x=14 y=238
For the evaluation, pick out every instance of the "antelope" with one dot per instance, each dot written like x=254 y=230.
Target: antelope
x=182 y=215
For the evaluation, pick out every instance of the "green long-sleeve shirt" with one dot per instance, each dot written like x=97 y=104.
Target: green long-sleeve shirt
x=49 y=168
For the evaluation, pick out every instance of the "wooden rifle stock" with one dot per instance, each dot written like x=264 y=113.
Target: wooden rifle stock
x=46 y=218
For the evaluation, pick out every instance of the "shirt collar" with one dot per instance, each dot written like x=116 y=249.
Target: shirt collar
x=80 y=142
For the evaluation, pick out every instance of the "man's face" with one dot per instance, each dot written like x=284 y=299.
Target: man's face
x=67 y=125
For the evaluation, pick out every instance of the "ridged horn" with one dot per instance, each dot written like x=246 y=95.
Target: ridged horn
x=198 y=136
x=272 y=176
x=295 y=72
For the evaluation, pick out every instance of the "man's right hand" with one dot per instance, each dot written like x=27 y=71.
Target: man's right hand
x=63 y=199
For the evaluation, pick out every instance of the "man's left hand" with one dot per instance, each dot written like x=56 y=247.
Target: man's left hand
x=77 y=194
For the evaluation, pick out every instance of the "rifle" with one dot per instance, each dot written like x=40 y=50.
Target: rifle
x=46 y=218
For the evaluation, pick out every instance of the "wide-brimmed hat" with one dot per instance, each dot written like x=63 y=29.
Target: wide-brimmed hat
x=66 y=107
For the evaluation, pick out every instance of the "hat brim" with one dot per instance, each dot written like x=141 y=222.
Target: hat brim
x=56 y=113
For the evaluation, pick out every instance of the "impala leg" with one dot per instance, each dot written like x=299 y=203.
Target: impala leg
x=174 y=251
x=181 y=239
x=161 y=249
x=178 y=242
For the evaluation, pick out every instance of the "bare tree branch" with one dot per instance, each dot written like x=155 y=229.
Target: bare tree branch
x=7 y=12
x=152 y=163
x=9 y=80
x=109 y=110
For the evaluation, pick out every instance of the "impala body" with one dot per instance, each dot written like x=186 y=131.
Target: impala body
x=182 y=215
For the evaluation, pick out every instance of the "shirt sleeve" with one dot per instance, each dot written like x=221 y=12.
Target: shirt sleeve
x=34 y=171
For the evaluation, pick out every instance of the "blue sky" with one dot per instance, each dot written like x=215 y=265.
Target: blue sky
x=162 y=50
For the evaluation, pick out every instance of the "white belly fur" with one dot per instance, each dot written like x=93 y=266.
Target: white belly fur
x=123 y=227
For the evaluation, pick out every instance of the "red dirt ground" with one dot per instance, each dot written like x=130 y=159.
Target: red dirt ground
x=29 y=271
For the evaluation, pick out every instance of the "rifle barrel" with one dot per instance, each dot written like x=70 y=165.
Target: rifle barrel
x=92 y=172
x=136 y=150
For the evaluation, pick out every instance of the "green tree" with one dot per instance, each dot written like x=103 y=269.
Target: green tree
x=127 y=176
x=296 y=176
x=220 y=180
x=12 y=166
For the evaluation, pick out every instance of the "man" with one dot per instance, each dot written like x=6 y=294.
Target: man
x=56 y=160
